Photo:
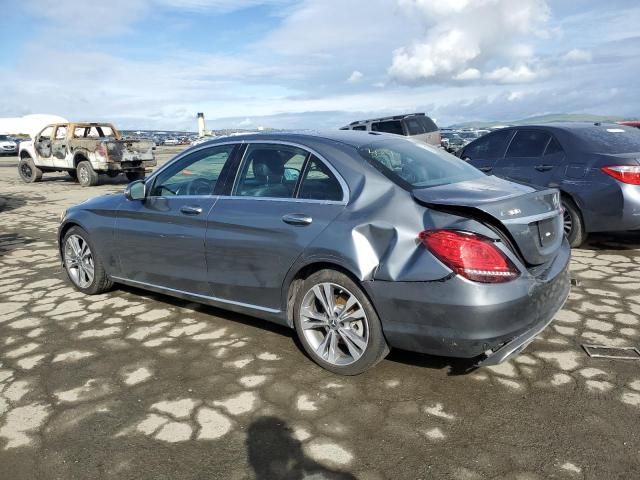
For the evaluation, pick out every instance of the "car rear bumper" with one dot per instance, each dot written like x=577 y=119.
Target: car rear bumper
x=611 y=207
x=459 y=318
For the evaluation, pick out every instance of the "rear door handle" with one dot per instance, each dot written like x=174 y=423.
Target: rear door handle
x=297 y=219
x=191 y=210
x=485 y=169
x=543 y=168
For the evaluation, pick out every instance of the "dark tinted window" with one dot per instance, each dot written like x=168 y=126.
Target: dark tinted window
x=414 y=126
x=427 y=123
x=390 y=126
x=412 y=165
x=360 y=127
x=609 y=139
x=528 y=143
x=489 y=146
x=320 y=183
x=553 y=147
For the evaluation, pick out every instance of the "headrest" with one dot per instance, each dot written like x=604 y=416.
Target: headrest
x=267 y=163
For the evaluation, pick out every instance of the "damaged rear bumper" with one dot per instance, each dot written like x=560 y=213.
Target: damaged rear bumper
x=458 y=318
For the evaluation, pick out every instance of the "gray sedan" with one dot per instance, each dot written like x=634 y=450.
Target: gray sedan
x=360 y=241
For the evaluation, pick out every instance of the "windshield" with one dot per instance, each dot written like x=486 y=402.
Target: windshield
x=610 y=139
x=4 y=137
x=414 y=165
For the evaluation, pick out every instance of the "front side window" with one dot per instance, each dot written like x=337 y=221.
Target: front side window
x=46 y=133
x=61 y=133
x=390 y=126
x=413 y=126
x=428 y=124
x=412 y=165
x=320 y=183
x=360 y=127
x=196 y=174
x=270 y=171
x=528 y=143
x=490 y=146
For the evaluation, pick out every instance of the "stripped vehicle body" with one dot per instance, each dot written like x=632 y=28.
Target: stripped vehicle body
x=387 y=227
x=63 y=147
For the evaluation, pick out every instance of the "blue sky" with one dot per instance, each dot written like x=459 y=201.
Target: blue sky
x=316 y=63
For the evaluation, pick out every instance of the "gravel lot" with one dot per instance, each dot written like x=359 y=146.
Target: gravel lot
x=131 y=385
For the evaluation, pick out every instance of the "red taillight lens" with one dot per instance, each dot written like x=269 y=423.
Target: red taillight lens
x=624 y=173
x=471 y=255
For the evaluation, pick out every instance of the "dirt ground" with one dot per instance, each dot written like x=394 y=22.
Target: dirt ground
x=132 y=385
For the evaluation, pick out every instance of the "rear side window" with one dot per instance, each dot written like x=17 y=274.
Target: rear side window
x=553 y=147
x=414 y=126
x=412 y=165
x=390 y=126
x=360 y=127
x=528 y=143
x=319 y=183
x=428 y=124
x=489 y=146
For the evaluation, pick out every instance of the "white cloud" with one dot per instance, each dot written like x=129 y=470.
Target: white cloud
x=578 y=55
x=463 y=37
x=355 y=77
x=517 y=74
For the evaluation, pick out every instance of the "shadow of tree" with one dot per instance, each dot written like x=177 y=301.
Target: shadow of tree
x=613 y=241
x=12 y=241
x=10 y=201
x=274 y=454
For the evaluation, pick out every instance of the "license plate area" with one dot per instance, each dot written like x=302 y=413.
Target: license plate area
x=547 y=231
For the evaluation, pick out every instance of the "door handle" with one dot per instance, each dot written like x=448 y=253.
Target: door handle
x=543 y=168
x=485 y=169
x=297 y=219
x=191 y=210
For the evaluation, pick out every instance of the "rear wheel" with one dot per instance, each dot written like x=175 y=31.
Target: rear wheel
x=28 y=171
x=572 y=223
x=87 y=176
x=81 y=263
x=135 y=175
x=337 y=325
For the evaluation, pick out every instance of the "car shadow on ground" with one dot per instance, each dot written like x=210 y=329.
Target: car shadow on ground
x=10 y=201
x=613 y=241
x=454 y=366
x=274 y=453
x=102 y=179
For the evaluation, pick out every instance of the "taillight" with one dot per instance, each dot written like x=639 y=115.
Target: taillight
x=624 y=173
x=473 y=256
x=101 y=150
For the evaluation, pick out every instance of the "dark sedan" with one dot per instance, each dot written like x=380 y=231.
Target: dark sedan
x=360 y=241
x=596 y=167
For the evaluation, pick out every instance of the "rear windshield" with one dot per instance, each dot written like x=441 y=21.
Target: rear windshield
x=414 y=165
x=609 y=139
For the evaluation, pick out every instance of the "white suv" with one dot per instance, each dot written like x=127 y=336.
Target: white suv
x=415 y=125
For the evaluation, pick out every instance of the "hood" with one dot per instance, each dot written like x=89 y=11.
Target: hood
x=529 y=216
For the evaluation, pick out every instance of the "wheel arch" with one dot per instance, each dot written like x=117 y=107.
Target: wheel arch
x=577 y=203
x=299 y=274
x=80 y=156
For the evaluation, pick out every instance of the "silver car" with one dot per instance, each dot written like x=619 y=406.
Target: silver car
x=359 y=241
x=415 y=125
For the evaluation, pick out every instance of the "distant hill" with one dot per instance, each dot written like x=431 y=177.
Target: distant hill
x=552 y=117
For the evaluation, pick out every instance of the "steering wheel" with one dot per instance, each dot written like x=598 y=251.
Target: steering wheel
x=199 y=186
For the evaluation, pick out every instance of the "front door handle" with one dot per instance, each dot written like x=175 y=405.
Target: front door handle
x=485 y=169
x=543 y=168
x=191 y=210
x=297 y=219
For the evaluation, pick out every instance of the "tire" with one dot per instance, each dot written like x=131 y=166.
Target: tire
x=28 y=171
x=342 y=347
x=73 y=174
x=573 y=224
x=87 y=176
x=78 y=240
x=135 y=175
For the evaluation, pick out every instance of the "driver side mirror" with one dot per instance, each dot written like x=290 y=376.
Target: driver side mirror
x=135 y=190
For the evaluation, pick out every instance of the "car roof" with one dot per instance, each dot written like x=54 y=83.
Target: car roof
x=568 y=126
x=354 y=138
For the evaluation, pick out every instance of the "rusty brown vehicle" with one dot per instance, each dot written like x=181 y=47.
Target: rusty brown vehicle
x=84 y=150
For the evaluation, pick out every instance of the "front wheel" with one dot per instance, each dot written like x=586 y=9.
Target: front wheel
x=28 y=171
x=337 y=325
x=81 y=263
x=572 y=223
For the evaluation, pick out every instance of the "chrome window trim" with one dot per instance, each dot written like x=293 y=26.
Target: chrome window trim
x=341 y=181
x=343 y=184
x=207 y=297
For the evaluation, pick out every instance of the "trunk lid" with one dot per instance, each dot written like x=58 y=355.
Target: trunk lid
x=530 y=217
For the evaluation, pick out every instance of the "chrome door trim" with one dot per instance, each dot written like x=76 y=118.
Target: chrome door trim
x=206 y=297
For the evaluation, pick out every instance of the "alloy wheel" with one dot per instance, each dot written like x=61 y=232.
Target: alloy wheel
x=25 y=168
x=83 y=175
x=334 y=324
x=567 y=222
x=78 y=261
